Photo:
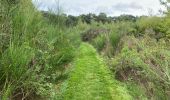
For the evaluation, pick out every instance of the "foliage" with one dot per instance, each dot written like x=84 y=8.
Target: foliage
x=105 y=38
x=125 y=18
x=33 y=51
x=71 y=21
x=37 y=47
x=145 y=62
x=55 y=19
x=102 y=17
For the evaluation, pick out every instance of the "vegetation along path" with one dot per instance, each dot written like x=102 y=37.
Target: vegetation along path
x=91 y=79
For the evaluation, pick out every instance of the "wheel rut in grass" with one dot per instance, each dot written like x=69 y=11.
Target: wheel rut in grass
x=91 y=79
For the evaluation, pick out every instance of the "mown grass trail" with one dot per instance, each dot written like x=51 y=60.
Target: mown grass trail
x=91 y=79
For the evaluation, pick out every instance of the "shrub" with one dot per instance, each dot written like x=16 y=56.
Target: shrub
x=99 y=42
x=145 y=62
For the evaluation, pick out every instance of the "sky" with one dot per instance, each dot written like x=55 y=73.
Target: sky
x=110 y=7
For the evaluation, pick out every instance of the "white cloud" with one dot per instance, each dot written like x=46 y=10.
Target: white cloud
x=111 y=7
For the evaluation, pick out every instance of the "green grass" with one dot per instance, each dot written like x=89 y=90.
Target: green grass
x=36 y=53
x=33 y=53
x=91 y=79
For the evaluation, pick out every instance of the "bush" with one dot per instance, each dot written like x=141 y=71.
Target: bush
x=99 y=42
x=145 y=62
x=107 y=37
x=154 y=24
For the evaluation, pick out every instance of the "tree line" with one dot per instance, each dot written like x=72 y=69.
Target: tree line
x=70 y=20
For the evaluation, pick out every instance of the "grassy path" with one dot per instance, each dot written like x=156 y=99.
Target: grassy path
x=91 y=79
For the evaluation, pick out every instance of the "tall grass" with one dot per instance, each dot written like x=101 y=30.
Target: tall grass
x=31 y=51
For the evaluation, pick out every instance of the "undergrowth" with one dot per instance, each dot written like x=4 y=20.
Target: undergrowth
x=33 y=53
x=144 y=62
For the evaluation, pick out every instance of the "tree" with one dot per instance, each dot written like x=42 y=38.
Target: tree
x=87 y=18
x=71 y=21
x=125 y=18
x=165 y=3
x=102 y=17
